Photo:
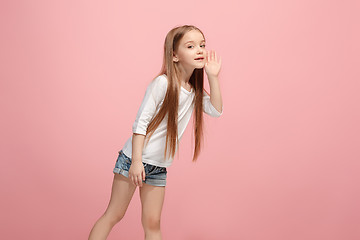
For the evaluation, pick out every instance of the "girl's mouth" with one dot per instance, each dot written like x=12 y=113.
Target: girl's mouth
x=199 y=59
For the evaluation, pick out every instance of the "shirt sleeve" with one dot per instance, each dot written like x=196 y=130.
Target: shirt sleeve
x=155 y=93
x=208 y=108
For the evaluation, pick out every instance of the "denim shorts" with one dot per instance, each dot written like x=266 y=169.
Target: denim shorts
x=154 y=175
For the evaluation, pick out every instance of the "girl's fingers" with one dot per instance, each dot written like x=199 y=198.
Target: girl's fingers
x=211 y=55
x=133 y=180
x=139 y=180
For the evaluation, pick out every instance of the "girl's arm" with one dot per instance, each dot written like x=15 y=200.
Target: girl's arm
x=215 y=93
x=154 y=94
x=208 y=107
x=212 y=69
x=152 y=98
x=137 y=147
x=136 y=170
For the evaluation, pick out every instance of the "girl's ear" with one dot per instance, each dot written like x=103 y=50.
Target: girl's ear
x=175 y=58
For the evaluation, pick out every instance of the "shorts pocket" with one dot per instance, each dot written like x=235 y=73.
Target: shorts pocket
x=147 y=168
x=126 y=158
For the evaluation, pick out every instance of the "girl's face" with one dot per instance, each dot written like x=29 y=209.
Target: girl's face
x=191 y=52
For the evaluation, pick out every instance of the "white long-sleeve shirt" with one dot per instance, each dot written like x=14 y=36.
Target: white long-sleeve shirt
x=153 y=152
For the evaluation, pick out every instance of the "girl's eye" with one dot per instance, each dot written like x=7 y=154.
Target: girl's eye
x=191 y=46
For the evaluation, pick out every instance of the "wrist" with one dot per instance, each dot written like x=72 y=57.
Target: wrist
x=136 y=159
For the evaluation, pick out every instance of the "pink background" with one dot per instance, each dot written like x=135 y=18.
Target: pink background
x=281 y=163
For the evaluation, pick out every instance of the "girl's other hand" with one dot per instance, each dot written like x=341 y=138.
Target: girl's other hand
x=213 y=64
x=137 y=173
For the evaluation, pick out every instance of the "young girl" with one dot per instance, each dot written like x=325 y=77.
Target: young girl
x=165 y=111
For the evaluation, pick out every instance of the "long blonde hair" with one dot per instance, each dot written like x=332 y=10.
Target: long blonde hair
x=171 y=101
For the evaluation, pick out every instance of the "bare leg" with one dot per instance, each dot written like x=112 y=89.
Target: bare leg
x=152 y=198
x=122 y=191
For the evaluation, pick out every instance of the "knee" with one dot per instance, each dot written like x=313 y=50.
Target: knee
x=114 y=218
x=151 y=223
